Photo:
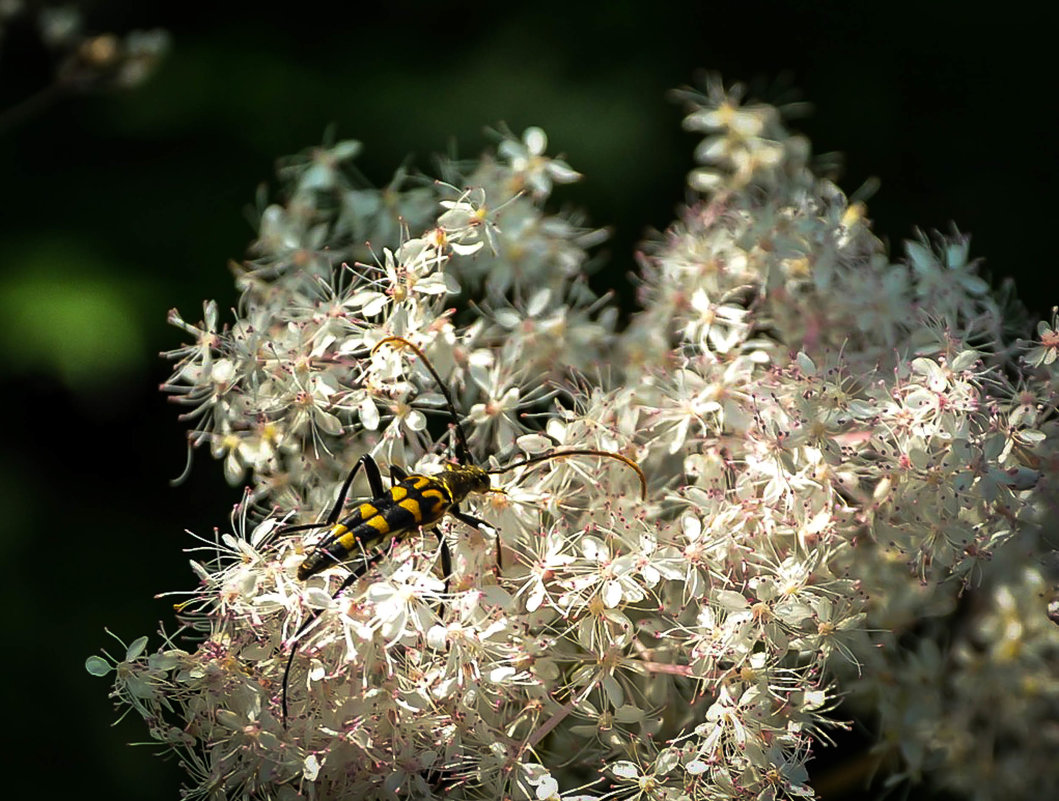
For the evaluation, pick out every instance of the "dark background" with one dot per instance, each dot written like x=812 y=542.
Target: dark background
x=119 y=206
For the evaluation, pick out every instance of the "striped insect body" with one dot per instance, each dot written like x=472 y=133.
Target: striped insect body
x=412 y=502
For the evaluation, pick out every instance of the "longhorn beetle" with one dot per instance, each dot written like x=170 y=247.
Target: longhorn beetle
x=413 y=501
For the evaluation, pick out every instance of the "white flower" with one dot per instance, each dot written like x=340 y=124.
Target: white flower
x=465 y=224
x=531 y=166
x=402 y=602
x=1047 y=348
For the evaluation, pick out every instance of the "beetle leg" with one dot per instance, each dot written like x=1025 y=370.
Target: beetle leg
x=349 y=580
x=479 y=524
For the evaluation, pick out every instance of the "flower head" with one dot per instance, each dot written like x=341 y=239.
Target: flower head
x=545 y=550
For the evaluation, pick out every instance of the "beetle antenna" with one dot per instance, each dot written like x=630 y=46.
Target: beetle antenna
x=463 y=453
x=579 y=452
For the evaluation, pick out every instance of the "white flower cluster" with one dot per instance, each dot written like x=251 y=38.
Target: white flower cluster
x=835 y=447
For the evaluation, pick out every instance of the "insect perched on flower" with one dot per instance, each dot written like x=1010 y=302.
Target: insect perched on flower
x=412 y=502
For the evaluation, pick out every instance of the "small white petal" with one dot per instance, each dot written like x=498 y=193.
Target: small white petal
x=730 y=599
x=201 y=572
x=437 y=636
x=317 y=598
x=538 y=302
x=466 y=250
x=507 y=318
x=375 y=306
x=536 y=140
x=625 y=770
x=328 y=423
x=263 y=530
x=136 y=647
x=535 y=599
x=613 y=691
x=533 y=443
x=501 y=674
x=222 y=372
x=98 y=666
x=432 y=285
x=562 y=173
x=548 y=788
x=628 y=714
x=369 y=414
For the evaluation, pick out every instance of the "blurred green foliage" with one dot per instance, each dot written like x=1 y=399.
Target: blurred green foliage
x=64 y=314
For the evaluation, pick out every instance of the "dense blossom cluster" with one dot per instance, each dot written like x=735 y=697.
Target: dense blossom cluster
x=848 y=466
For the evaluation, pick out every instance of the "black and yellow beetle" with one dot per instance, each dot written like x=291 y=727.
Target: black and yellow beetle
x=412 y=502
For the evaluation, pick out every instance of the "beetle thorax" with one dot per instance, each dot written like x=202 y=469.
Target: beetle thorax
x=463 y=479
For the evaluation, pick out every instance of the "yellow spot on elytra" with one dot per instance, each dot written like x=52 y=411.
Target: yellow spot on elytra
x=378 y=523
x=398 y=492
x=367 y=511
x=347 y=541
x=412 y=505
